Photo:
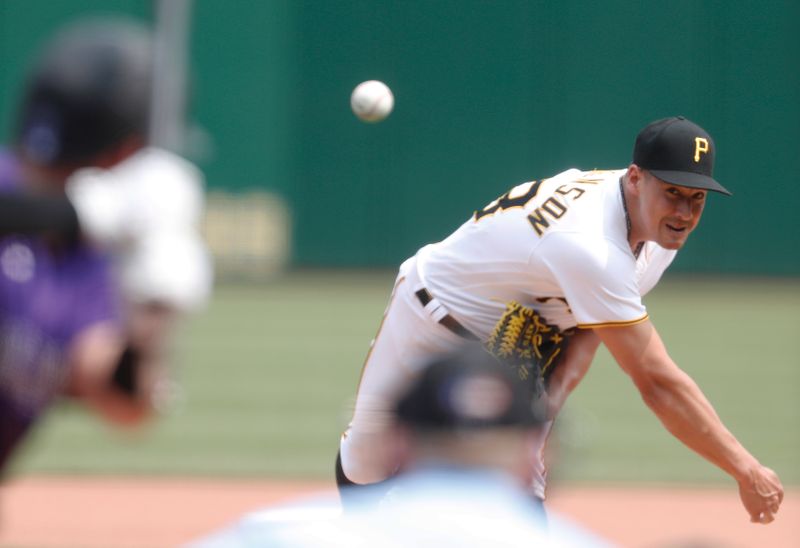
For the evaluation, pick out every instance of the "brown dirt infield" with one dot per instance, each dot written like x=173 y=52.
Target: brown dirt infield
x=91 y=512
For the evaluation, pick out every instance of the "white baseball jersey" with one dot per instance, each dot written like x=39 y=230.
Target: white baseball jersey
x=558 y=246
x=147 y=210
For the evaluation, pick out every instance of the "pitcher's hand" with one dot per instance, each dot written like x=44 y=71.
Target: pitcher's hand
x=761 y=494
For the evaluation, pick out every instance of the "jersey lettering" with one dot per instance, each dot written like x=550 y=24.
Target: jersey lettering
x=553 y=207
x=538 y=222
x=594 y=177
x=564 y=191
x=519 y=196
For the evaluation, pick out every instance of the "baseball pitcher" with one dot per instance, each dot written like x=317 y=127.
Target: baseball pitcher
x=541 y=276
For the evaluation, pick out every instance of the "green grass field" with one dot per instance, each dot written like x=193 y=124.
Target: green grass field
x=269 y=373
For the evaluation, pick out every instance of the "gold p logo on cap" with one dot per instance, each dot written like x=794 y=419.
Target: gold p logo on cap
x=700 y=147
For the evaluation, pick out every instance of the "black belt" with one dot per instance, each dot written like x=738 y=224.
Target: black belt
x=447 y=321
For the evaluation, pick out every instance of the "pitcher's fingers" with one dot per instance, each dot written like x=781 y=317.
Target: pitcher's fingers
x=766 y=517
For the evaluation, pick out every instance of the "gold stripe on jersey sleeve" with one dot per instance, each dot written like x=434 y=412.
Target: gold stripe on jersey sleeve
x=613 y=324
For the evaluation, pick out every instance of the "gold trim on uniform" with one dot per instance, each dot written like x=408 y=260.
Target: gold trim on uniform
x=380 y=328
x=613 y=324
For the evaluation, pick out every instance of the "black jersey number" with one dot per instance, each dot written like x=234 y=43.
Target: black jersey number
x=516 y=197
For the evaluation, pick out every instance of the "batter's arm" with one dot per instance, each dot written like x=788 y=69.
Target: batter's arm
x=683 y=409
x=569 y=373
x=94 y=356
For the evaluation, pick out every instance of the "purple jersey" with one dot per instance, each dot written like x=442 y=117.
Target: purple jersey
x=47 y=297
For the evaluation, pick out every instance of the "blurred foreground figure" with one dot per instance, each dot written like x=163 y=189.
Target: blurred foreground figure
x=466 y=429
x=100 y=250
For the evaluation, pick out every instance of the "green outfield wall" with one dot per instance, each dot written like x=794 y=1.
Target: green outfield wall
x=488 y=94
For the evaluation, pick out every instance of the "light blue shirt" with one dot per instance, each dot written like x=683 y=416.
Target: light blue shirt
x=435 y=507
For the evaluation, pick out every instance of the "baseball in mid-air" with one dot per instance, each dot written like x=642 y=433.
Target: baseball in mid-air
x=372 y=101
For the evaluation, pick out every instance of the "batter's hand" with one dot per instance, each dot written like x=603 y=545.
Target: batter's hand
x=761 y=494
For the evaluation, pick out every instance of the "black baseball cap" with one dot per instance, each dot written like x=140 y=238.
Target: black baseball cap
x=88 y=90
x=678 y=151
x=466 y=390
